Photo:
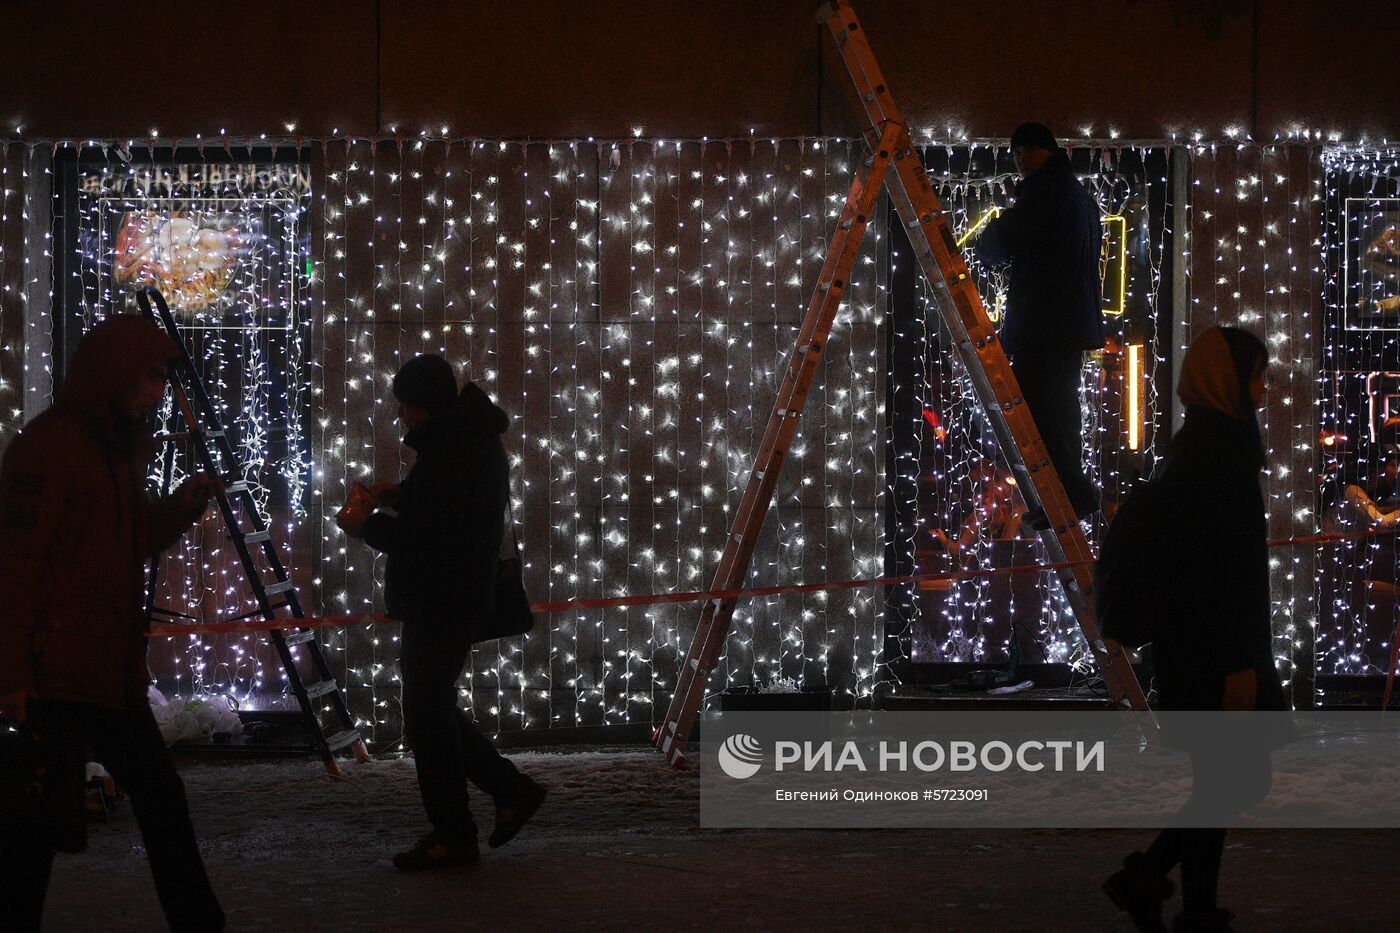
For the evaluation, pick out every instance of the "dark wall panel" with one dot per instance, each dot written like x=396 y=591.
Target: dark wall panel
x=119 y=69
x=1084 y=67
x=1328 y=68
x=556 y=68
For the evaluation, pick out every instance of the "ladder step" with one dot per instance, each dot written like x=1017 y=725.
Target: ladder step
x=281 y=586
x=255 y=537
x=235 y=487
x=161 y=610
x=300 y=638
x=343 y=739
x=321 y=689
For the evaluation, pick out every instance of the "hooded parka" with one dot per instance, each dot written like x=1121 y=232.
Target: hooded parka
x=77 y=526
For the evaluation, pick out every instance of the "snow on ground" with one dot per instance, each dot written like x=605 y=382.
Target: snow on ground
x=618 y=845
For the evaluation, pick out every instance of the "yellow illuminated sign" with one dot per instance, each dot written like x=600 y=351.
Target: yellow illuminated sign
x=1134 y=393
x=977 y=225
x=1113 y=264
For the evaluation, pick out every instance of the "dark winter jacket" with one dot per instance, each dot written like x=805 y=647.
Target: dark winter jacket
x=444 y=545
x=1218 y=567
x=1052 y=240
x=77 y=526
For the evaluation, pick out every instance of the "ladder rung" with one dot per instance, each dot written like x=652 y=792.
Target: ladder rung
x=172 y=436
x=281 y=586
x=321 y=689
x=253 y=612
x=161 y=610
x=300 y=638
x=343 y=739
x=236 y=487
x=255 y=537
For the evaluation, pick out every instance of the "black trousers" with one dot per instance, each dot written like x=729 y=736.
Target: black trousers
x=1049 y=381
x=129 y=745
x=448 y=748
x=1222 y=786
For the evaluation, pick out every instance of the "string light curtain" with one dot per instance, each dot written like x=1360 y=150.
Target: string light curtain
x=1256 y=262
x=14 y=213
x=631 y=304
x=1359 y=388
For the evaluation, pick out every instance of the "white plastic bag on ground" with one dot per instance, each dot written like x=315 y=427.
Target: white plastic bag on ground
x=180 y=720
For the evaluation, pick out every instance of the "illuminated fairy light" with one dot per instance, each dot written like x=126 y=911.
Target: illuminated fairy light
x=632 y=304
x=149 y=224
x=1354 y=619
x=1254 y=258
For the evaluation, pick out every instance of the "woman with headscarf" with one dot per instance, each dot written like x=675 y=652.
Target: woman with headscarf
x=1216 y=653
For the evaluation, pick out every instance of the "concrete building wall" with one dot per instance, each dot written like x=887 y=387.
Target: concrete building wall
x=552 y=69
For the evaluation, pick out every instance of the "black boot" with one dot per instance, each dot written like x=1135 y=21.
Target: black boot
x=1214 y=921
x=1140 y=890
x=439 y=850
x=514 y=810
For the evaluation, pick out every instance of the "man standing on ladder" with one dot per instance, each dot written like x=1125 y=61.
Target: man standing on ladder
x=1051 y=239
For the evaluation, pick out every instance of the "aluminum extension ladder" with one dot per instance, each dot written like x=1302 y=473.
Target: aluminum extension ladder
x=201 y=425
x=975 y=340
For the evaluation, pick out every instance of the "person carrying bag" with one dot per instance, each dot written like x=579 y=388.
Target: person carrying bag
x=441 y=579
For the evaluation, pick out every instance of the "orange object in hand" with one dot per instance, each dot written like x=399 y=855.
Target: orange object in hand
x=357 y=508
